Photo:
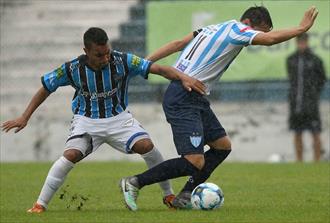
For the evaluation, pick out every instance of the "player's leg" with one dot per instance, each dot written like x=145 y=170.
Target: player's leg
x=298 y=123
x=168 y=169
x=55 y=178
x=220 y=147
x=77 y=148
x=188 y=138
x=317 y=145
x=152 y=157
x=128 y=136
x=189 y=141
x=182 y=110
x=299 y=147
x=218 y=152
x=315 y=127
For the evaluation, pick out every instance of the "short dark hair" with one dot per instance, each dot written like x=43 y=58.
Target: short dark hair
x=302 y=37
x=95 y=35
x=258 y=15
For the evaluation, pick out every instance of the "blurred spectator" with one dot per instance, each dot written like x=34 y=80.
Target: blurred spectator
x=307 y=77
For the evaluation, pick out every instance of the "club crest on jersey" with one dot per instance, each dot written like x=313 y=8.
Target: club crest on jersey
x=195 y=140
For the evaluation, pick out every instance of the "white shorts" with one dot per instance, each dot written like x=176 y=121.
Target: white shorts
x=120 y=132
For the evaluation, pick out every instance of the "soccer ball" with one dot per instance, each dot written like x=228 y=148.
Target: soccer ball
x=207 y=196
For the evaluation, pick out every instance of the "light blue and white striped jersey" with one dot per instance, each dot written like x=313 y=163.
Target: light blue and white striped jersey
x=213 y=49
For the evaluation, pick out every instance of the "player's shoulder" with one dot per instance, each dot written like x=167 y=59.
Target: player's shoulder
x=218 y=25
x=78 y=59
x=119 y=57
x=214 y=28
x=233 y=21
x=239 y=27
x=72 y=60
x=74 y=63
x=117 y=53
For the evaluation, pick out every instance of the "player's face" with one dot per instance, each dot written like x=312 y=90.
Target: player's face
x=98 y=55
x=302 y=45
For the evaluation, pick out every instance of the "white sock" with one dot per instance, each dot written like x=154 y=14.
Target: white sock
x=153 y=158
x=54 y=180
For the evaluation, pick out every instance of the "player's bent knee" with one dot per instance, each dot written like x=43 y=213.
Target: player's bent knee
x=73 y=155
x=226 y=145
x=143 y=146
x=196 y=159
x=223 y=143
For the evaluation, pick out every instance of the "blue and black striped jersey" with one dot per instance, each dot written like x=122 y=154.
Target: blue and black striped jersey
x=102 y=93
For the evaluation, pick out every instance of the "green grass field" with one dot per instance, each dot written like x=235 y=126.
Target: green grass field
x=253 y=193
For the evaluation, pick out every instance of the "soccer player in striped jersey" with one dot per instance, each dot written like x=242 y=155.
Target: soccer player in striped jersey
x=100 y=78
x=206 y=55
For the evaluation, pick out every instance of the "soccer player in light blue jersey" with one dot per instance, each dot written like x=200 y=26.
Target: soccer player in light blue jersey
x=100 y=78
x=206 y=55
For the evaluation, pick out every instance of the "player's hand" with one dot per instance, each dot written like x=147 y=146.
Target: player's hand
x=190 y=84
x=309 y=18
x=18 y=123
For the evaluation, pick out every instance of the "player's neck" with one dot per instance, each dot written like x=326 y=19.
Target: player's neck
x=91 y=65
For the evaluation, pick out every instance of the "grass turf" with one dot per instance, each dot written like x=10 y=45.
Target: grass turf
x=254 y=192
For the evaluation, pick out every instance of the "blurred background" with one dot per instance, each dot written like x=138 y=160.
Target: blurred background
x=250 y=101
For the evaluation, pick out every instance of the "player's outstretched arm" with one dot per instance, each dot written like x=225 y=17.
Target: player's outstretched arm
x=274 y=37
x=20 y=122
x=170 y=48
x=171 y=73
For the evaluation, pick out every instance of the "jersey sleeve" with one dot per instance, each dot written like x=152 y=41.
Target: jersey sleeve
x=138 y=66
x=241 y=34
x=52 y=80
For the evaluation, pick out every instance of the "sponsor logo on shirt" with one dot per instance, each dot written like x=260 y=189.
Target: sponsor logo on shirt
x=95 y=95
x=136 y=61
x=182 y=67
x=59 y=73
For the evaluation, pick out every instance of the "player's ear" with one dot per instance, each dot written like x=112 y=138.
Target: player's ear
x=85 y=50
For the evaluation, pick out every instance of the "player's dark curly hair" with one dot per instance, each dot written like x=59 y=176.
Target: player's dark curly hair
x=95 y=35
x=258 y=15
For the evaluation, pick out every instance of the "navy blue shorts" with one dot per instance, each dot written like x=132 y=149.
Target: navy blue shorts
x=193 y=122
x=301 y=122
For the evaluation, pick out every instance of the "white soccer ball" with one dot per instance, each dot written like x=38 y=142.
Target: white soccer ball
x=207 y=196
